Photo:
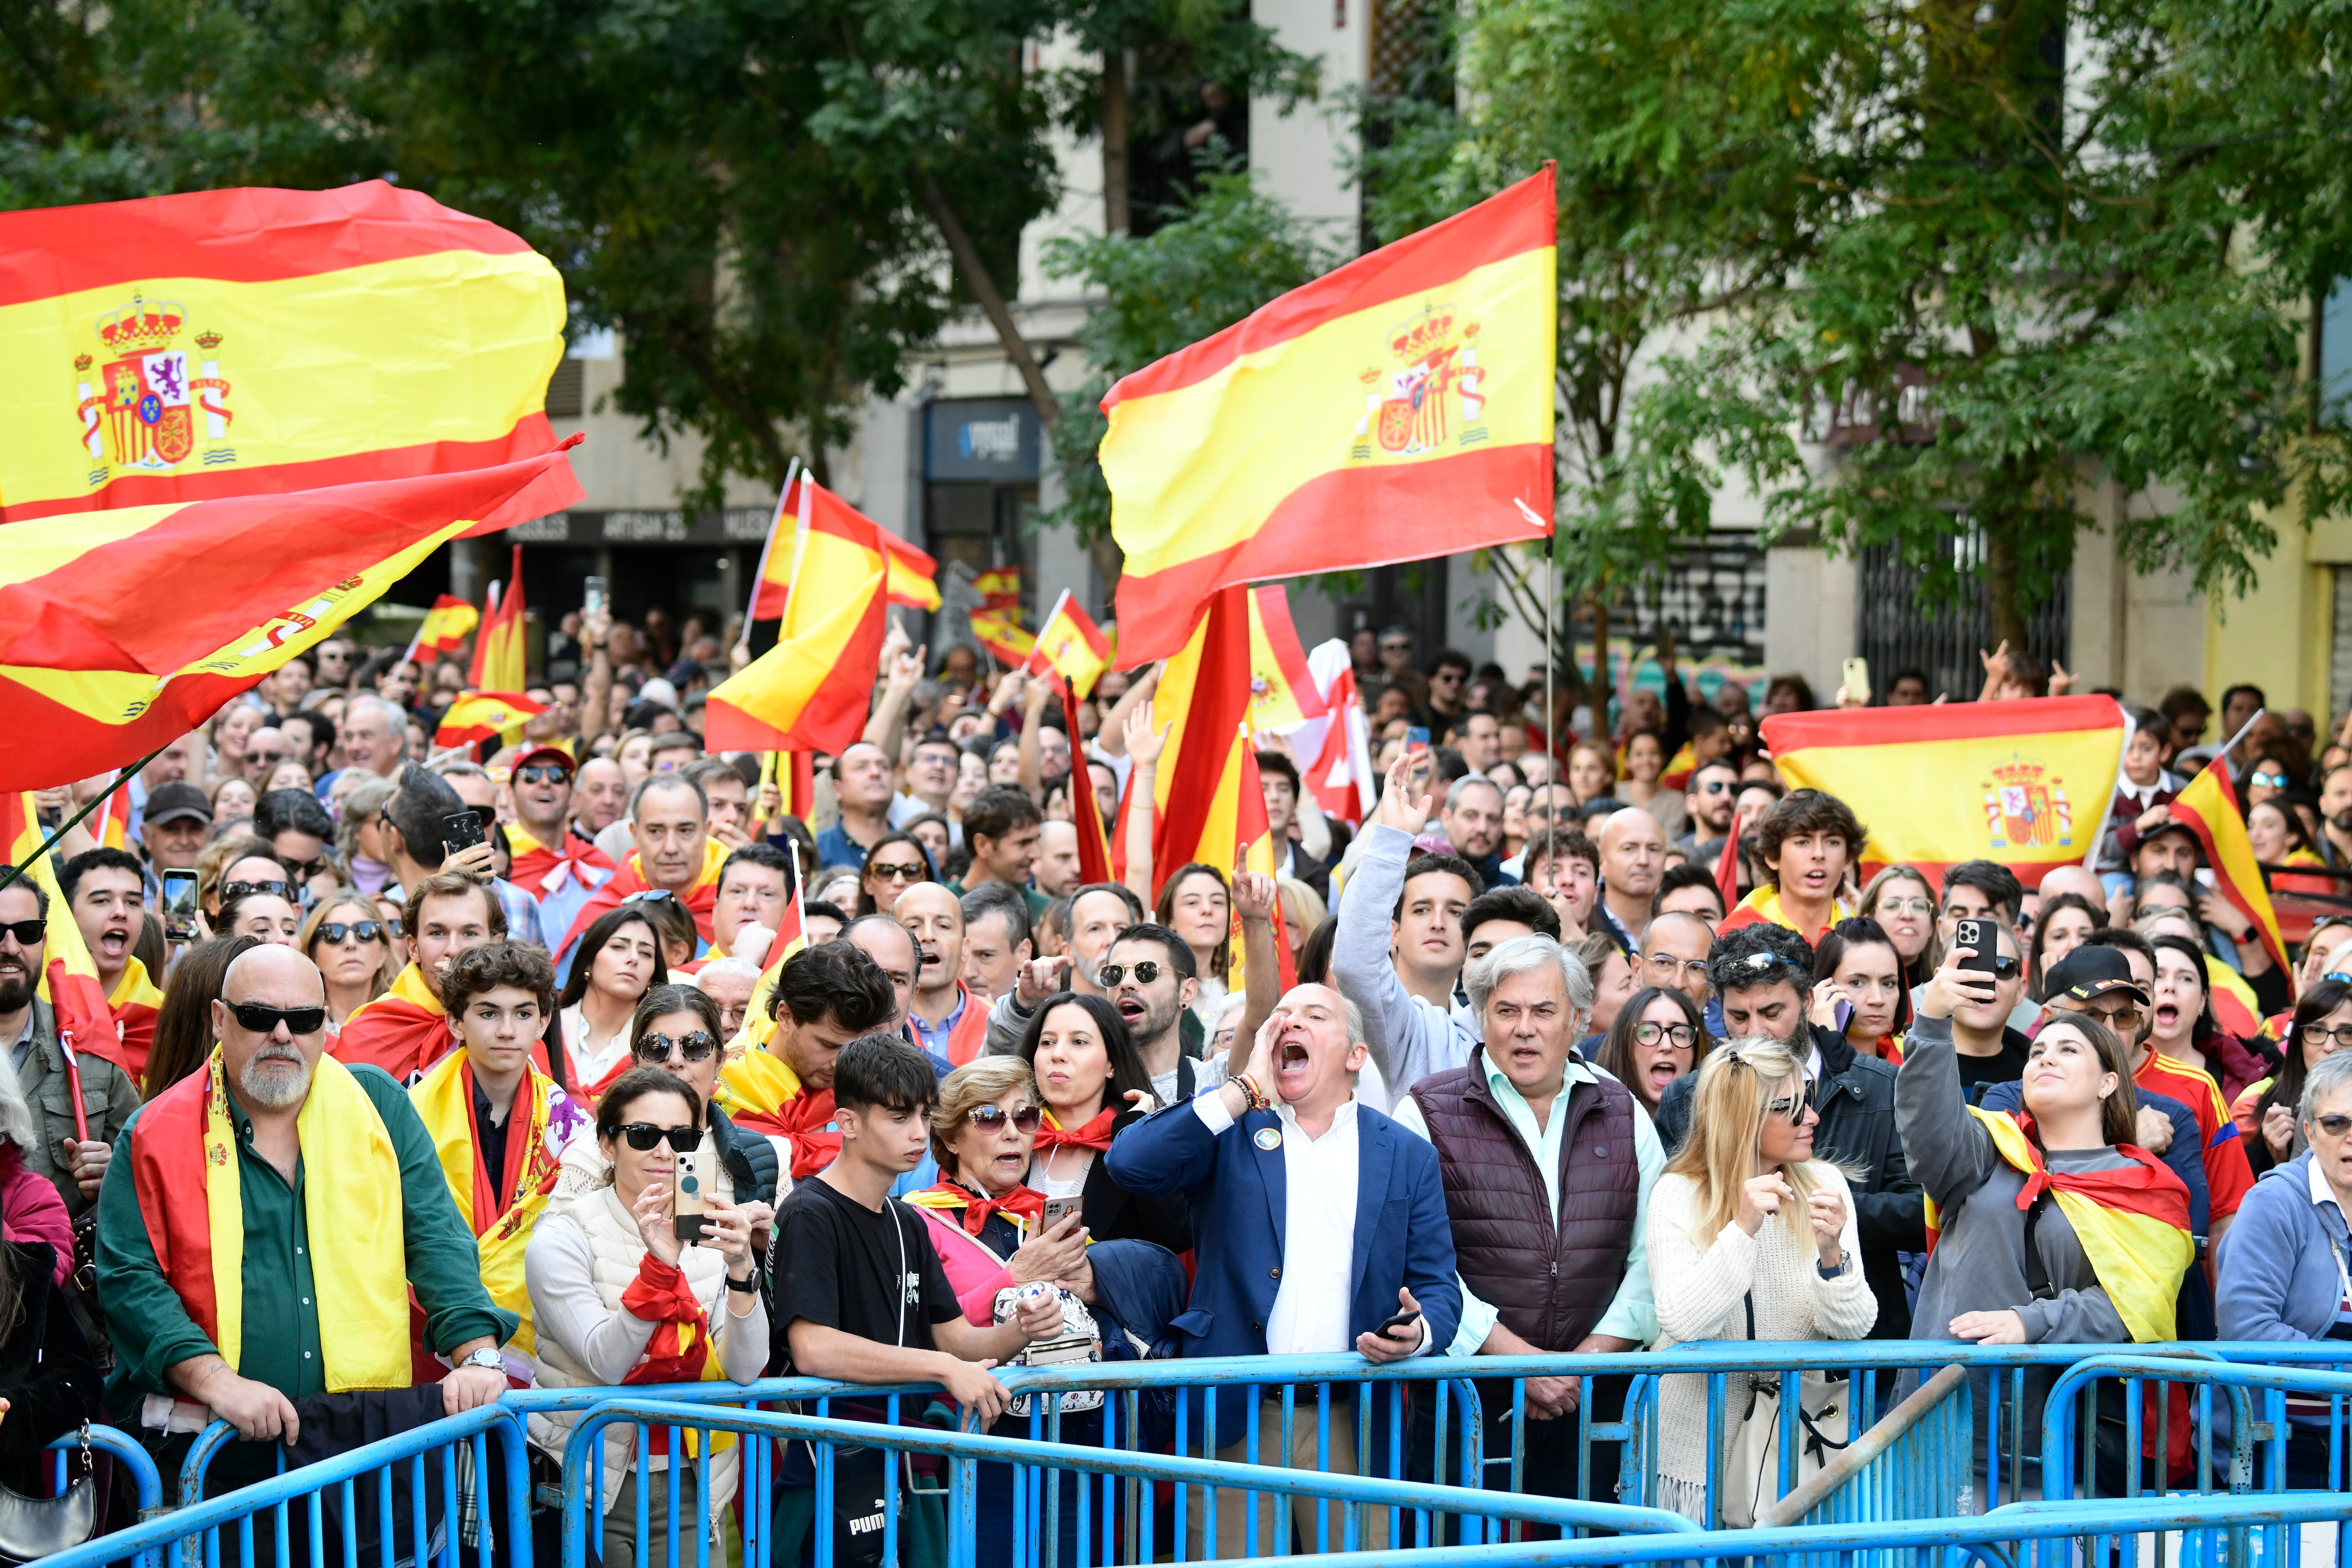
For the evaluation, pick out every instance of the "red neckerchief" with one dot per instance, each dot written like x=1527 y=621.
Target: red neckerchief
x=1026 y=1202
x=803 y=1119
x=1095 y=1134
x=681 y=1339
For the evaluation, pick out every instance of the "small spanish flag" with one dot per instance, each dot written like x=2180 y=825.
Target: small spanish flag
x=444 y=628
x=1085 y=812
x=1000 y=588
x=1071 y=643
x=501 y=661
x=913 y=579
x=1399 y=408
x=68 y=982
x=112 y=823
x=479 y=715
x=1203 y=696
x=2209 y=806
x=1000 y=633
x=1283 y=695
x=810 y=692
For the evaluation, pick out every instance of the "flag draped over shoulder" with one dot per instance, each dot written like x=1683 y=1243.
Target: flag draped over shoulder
x=810 y=692
x=89 y=664
x=403 y=1031
x=248 y=342
x=69 y=980
x=2040 y=773
x=2209 y=806
x=1204 y=696
x=1069 y=641
x=1398 y=408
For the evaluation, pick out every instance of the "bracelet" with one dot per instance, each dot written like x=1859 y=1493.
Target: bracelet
x=744 y=1287
x=1254 y=1096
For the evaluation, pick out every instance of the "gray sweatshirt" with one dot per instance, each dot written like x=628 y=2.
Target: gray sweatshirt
x=1979 y=1265
x=1410 y=1038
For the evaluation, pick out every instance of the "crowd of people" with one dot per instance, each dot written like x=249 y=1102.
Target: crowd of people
x=471 y=1070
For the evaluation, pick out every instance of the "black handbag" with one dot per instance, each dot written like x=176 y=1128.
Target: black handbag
x=35 y=1527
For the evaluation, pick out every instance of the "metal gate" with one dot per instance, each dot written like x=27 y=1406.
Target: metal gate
x=1896 y=634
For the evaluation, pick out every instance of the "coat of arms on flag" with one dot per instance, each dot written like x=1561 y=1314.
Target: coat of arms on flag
x=2025 y=805
x=141 y=409
x=1407 y=409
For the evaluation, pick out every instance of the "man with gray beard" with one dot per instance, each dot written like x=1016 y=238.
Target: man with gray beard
x=267 y=1218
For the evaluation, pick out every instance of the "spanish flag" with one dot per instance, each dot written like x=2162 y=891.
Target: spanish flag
x=1085 y=812
x=794 y=775
x=135 y=1001
x=1002 y=633
x=69 y=980
x=501 y=662
x=477 y=716
x=120 y=631
x=2209 y=808
x=1283 y=694
x=1205 y=697
x=811 y=691
x=444 y=628
x=1071 y=643
x=111 y=825
x=999 y=588
x=2026 y=783
x=403 y=1031
x=913 y=575
x=1399 y=408
x=1258 y=852
x=254 y=342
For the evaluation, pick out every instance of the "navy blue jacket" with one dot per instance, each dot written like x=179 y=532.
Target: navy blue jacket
x=1239 y=1194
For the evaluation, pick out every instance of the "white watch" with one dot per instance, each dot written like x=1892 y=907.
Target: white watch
x=488 y=1360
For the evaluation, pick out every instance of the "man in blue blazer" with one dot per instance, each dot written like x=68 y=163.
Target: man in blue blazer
x=1319 y=1226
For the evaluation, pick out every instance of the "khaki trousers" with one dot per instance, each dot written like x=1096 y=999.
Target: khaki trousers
x=1234 y=1504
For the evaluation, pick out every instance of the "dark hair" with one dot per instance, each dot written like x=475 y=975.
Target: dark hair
x=884 y=1072
x=1860 y=931
x=2051 y=906
x=2119 y=1112
x=417 y=809
x=1797 y=686
x=1315 y=952
x=1806 y=811
x=766 y=855
x=1614 y=1056
x=1127 y=1073
x=322 y=731
x=491 y=964
x=834 y=981
x=825 y=909
x=601 y=930
x=634 y=1086
x=1180 y=951
x=1996 y=882
x=2287 y=1083
x=1433 y=865
x=102 y=858
x=865 y=905
x=1275 y=762
x=1687 y=875
x=2183 y=700
x=1746 y=957
x=1524 y=905
x=291 y=811
x=1560 y=843
x=1164 y=908
x=1452 y=658
x=2242 y=689
x=1911 y=672
x=667 y=998
x=452 y=885
x=997 y=811
x=2204 y=1027
x=32 y=885
x=183 y=1024
x=998 y=899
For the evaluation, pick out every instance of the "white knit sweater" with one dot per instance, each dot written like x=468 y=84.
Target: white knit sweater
x=1700 y=1285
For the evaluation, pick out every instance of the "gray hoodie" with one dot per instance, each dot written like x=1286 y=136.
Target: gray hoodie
x=2278 y=1261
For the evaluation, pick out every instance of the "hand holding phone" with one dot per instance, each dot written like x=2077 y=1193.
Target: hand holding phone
x=181 y=920
x=461 y=830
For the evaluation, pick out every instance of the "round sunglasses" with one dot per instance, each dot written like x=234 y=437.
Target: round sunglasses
x=992 y=1117
x=696 y=1047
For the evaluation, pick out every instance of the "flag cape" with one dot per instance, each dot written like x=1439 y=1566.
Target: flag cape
x=1762 y=905
x=2035 y=778
x=910 y=577
x=135 y=1001
x=1071 y=643
x=88 y=663
x=243 y=343
x=68 y=981
x=1085 y=812
x=700 y=900
x=499 y=1207
x=479 y=715
x=760 y=1091
x=1204 y=695
x=534 y=863
x=1283 y=693
x=403 y=1031
x=185 y=1169
x=1398 y=408
x=2132 y=1225
x=811 y=691
x=2209 y=806
x=444 y=628
x=1339 y=772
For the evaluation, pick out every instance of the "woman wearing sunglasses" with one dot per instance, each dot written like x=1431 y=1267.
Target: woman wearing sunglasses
x=895 y=863
x=1094 y=1086
x=2266 y=1113
x=616 y=1297
x=347 y=940
x=1659 y=1036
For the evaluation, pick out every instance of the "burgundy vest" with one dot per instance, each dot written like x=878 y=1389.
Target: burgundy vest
x=1550 y=1276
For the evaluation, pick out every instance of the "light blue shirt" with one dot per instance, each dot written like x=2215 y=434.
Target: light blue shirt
x=1631 y=1315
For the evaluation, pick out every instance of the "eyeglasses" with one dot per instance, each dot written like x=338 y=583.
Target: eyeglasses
x=643 y=1135
x=2122 y=1019
x=543 y=772
x=1907 y=906
x=1666 y=964
x=1681 y=1035
x=264 y=1019
x=992 y=1117
x=2335 y=1126
x=280 y=756
x=898 y=871
x=697 y=1048
x=246 y=890
x=1146 y=972
x=2336 y=1038
x=28 y=933
x=333 y=932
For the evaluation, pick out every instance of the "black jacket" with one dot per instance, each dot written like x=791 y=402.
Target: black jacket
x=1856 y=1098
x=751 y=1160
x=1111 y=1212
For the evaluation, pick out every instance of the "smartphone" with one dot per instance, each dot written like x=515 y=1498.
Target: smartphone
x=1416 y=741
x=595 y=595
x=180 y=905
x=461 y=830
x=1059 y=1209
x=1857 y=679
x=1845 y=1014
x=691 y=1202
x=1981 y=938
x=1401 y=1321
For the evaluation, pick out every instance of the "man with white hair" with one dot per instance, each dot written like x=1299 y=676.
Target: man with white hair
x=728 y=982
x=1547 y=1166
x=271 y=1213
x=375 y=739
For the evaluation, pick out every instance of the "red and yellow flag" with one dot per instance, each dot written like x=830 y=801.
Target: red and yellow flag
x=1283 y=694
x=1000 y=633
x=999 y=589
x=1071 y=643
x=2026 y=783
x=1205 y=697
x=444 y=628
x=110 y=823
x=477 y=716
x=810 y=692
x=501 y=660
x=1085 y=812
x=912 y=574
x=2209 y=806
x=89 y=662
x=1258 y=852
x=69 y=980
x=1399 y=407
x=250 y=341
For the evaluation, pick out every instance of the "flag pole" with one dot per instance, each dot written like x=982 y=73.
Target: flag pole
x=8 y=875
x=759 y=573
x=1551 y=709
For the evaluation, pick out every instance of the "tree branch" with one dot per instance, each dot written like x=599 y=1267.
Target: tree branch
x=992 y=303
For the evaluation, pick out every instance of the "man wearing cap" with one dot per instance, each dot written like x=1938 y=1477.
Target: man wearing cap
x=552 y=862
x=178 y=819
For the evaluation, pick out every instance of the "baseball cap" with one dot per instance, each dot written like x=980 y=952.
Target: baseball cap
x=2089 y=972
x=178 y=798
x=538 y=756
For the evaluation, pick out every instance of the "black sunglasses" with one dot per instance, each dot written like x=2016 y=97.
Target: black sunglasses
x=333 y=931
x=644 y=1135
x=697 y=1046
x=899 y=871
x=2335 y=1126
x=992 y=1117
x=303 y=870
x=246 y=890
x=1146 y=972
x=28 y=933
x=263 y=1019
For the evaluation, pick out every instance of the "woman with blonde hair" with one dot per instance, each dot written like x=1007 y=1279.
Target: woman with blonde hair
x=1592 y=771
x=348 y=938
x=1749 y=1238
x=1303 y=910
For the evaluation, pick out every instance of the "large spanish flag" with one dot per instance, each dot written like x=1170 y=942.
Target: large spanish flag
x=2208 y=805
x=1399 y=408
x=1203 y=696
x=2026 y=783
x=123 y=630
x=811 y=691
x=241 y=341
x=69 y=980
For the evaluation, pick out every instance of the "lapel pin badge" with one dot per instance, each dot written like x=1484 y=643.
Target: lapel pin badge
x=1269 y=1137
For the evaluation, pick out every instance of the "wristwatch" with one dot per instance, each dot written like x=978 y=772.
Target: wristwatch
x=744 y=1287
x=488 y=1360
x=1831 y=1271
